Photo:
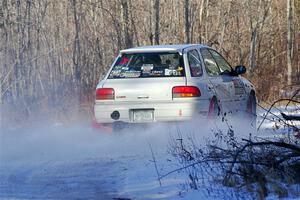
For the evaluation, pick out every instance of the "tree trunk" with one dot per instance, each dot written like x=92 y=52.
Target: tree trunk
x=224 y=26
x=200 y=21
x=77 y=49
x=125 y=22
x=252 y=57
x=289 y=40
x=206 y=21
x=187 y=21
x=156 y=22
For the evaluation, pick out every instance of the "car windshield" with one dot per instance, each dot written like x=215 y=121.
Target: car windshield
x=144 y=65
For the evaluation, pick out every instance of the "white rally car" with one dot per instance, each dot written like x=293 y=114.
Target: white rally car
x=167 y=83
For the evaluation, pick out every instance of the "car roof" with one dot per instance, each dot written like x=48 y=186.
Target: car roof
x=161 y=48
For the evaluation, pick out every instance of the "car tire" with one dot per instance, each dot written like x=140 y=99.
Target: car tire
x=213 y=110
x=251 y=109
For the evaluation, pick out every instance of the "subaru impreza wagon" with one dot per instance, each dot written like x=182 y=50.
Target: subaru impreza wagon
x=169 y=83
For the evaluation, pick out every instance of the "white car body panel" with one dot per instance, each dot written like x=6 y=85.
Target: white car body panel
x=155 y=94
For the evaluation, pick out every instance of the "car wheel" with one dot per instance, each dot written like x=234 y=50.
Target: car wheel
x=214 y=109
x=251 y=109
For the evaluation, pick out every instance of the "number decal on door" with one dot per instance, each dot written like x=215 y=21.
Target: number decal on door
x=238 y=87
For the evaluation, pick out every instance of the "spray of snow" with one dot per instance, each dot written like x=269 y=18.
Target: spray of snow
x=78 y=158
x=76 y=142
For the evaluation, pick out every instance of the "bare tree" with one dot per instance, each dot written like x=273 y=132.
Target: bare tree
x=156 y=21
x=200 y=20
x=256 y=24
x=77 y=47
x=290 y=4
x=126 y=24
x=187 y=21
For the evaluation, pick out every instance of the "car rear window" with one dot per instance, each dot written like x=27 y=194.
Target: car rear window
x=145 y=65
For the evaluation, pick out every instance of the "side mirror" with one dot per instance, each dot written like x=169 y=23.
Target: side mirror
x=240 y=69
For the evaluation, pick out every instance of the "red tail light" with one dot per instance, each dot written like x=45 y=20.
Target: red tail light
x=105 y=94
x=185 y=91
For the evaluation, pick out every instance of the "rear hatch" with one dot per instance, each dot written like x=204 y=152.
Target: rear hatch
x=146 y=77
x=146 y=87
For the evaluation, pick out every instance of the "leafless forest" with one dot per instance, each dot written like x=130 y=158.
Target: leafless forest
x=53 y=52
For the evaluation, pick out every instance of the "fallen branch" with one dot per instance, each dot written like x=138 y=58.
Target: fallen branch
x=269 y=110
x=290 y=117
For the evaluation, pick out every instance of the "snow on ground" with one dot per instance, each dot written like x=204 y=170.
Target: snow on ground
x=270 y=125
x=76 y=162
x=59 y=162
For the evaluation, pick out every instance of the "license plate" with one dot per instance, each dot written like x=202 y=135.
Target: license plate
x=143 y=115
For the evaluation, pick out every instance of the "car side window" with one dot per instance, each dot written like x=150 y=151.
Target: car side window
x=194 y=63
x=210 y=65
x=221 y=62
